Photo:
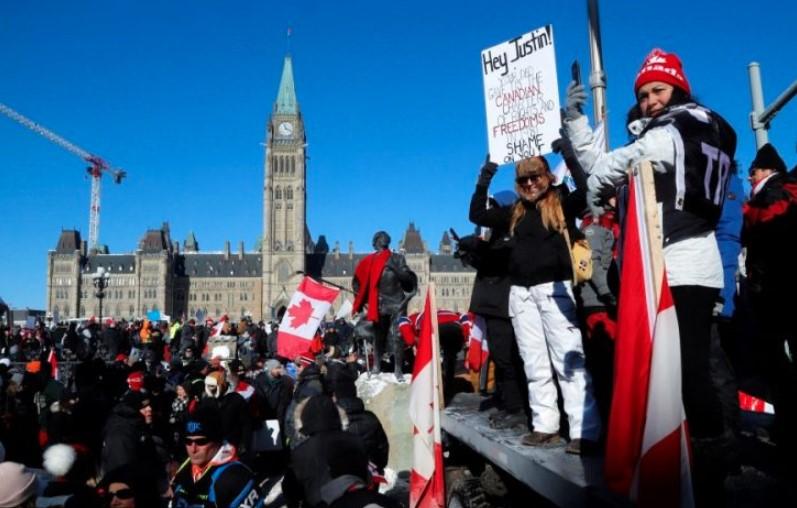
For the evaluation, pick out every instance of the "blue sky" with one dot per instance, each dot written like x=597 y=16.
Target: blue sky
x=178 y=93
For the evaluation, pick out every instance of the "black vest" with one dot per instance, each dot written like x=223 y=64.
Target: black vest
x=692 y=191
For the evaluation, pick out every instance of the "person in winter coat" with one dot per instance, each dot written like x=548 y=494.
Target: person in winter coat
x=211 y=476
x=490 y=300
x=233 y=409
x=349 y=484
x=541 y=303
x=274 y=391
x=324 y=424
x=362 y=422
x=308 y=383
x=770 y=223
x=114 y=340
x=691 y=149
x=126 y=439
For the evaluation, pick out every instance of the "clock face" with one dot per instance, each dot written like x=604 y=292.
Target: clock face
x=285 y=129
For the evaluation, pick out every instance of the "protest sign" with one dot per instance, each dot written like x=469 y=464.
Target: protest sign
x=521 y=96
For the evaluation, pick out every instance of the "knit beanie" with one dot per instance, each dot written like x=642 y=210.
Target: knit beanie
x=767 y=158
x=135 y=381
x=662 y=66
x=18 y=484
x=59 y=459
x=320 y=413
x=343 y=385
x=270 y=365
x=205 y=422
x=216 y=384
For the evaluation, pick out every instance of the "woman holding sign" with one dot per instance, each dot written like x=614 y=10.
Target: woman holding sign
x=541 y=303
x=691 y=149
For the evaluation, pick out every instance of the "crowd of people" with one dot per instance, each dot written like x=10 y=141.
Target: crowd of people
x=151 y=414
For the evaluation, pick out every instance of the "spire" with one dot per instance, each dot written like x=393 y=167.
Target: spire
x=190 y=244
x=286 y=97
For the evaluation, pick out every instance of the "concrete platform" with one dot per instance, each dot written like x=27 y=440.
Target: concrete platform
x=565 y=480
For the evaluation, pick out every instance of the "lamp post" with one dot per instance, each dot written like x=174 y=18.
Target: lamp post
x=100 y=279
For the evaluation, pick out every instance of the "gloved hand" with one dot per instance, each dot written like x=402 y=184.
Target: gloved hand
x=595 y=204
x=608 y=299
x=468 y=243
x=563 y=146
x=576 y=98
x=487 y=172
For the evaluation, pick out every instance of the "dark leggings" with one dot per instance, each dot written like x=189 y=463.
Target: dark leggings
x=694 y=306
x=509 y=375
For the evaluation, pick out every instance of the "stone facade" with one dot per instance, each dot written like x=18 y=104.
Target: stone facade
x=158 y=276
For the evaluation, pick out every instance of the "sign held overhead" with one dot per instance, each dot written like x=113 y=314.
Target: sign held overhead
x=521 y=96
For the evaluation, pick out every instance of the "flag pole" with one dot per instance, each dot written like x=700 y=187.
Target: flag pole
x=438 y=378
x=644 y=171
x=323 y=281
x=597 y=78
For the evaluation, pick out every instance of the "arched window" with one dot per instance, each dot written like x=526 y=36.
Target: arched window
x=289 y=193
x=131 y=311
x=277 y=193
x=293 y=165
x=66 y=311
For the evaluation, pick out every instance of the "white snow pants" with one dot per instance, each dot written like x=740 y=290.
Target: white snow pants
x=549 y=340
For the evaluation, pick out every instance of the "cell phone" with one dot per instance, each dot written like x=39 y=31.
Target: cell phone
x=575 y=72
x=454 y=234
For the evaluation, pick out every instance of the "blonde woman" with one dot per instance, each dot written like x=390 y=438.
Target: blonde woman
x=541 y=303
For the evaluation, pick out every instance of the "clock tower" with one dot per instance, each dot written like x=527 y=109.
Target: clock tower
x=284 y=197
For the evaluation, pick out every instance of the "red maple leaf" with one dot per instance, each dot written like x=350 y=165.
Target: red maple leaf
x=300 y=314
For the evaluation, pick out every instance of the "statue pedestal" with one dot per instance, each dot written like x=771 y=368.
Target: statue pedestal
x=389 y=401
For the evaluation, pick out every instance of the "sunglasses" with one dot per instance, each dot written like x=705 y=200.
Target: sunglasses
x=121 y=494
x=200 y=441
x=528 y=178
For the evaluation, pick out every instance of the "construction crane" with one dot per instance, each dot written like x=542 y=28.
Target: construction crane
x=97 y=166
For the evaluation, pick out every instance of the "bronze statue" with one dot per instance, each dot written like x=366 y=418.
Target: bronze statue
x=384 y=285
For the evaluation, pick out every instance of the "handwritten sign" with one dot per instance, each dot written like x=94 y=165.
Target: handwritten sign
x=521 y=95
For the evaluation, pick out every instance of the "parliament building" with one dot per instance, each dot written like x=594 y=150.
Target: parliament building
x=187 y=282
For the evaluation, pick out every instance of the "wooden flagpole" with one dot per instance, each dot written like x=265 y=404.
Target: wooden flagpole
x=436 y=346
x=655 y=235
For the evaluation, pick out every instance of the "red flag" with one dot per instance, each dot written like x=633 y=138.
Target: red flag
x=474 y=326
x=647 y=453
x=52 y=359
x=218 y=327
x=427 y=489
x=309 y=303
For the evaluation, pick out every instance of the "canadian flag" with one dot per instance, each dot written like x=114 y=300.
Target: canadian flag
x=218 y=327
x=427 y=489
x=309 y=303
x=647 y=449
x=473 y=326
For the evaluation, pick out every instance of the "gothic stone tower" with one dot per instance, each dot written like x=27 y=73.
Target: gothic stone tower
x=284 y=196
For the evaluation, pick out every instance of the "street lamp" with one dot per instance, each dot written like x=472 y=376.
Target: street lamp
x=100 y=279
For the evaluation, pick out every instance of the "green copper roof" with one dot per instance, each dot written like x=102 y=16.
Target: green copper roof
x=286 y=98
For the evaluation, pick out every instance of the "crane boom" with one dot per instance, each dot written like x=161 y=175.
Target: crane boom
x=96 y=168
x=47 y=133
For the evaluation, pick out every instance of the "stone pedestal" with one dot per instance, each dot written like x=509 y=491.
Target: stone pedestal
x=390 y=400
